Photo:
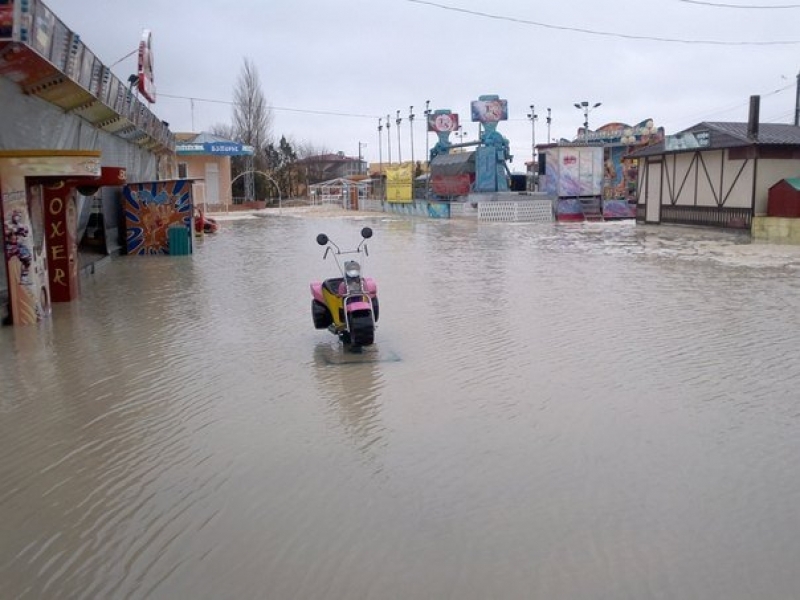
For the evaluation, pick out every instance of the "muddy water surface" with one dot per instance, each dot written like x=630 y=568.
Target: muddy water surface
x=600 y=411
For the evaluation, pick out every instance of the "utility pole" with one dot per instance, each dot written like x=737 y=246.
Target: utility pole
x=380 y=157
x=533 y=117
x=388 y=139
x=399 y=151
x=360 y=157
x=797 y=103
x=427 y=149
x=549 y=120
x=411 y=129
x=427 y=122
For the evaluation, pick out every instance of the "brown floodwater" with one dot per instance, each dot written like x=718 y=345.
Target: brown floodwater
x=600 y=411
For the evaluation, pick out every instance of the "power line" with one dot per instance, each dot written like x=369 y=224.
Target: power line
x=704 y=115
x=278 y=108
x=745 y=6
x=600 y=33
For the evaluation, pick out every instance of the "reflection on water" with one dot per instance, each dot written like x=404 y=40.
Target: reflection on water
x=588 y=411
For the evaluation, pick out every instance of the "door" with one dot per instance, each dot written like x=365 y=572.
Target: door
x=212 y=183
x=652 y=195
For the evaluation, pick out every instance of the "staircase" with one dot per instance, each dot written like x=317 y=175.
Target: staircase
x=592 y=209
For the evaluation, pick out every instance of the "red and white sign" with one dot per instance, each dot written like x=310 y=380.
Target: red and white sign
x=146 y=85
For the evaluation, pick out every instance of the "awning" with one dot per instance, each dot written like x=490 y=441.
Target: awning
x=457 y=163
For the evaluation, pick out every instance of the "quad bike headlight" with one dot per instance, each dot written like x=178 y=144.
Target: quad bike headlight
x=352 y=270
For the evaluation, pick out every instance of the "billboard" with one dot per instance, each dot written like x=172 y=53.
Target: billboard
x=146 y=84
x=489 y=111
x=399 y=184
x=443 y=122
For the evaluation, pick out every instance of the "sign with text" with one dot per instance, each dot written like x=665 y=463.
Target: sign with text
x=146 y=84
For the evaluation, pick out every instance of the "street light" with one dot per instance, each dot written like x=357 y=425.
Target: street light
x=427 y=148
x=460 y=134
x=360 y=167
x=389 y=139
x=380 y=155
x=411 y=116
x=533 y=117
x=427 y=121
x=399 y=151
x=586 y=108
x=549 y=120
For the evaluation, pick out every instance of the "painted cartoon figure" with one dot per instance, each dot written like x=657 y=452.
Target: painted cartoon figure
x=15 y=246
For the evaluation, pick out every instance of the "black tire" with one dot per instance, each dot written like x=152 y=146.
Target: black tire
x=320 y=314
x=375 y=308
x=362 y=329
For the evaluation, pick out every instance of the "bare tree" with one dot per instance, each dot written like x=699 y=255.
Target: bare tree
x=252 y=120
x=223 y=130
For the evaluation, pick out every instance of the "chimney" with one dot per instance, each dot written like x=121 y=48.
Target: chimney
x=752 y=120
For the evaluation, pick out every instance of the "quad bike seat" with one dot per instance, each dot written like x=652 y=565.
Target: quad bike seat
x=332 y=285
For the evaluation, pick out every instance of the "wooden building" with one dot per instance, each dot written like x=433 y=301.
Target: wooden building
x=715 y=174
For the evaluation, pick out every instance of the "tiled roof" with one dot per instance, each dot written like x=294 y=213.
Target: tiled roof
x=733 y=135
x=768 y=133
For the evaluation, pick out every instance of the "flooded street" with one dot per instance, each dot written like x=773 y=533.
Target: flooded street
x=597 y=411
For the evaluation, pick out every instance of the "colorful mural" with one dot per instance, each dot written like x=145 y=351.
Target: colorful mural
x=151 y=208
x=433 y=210
x=573 y=171
x=619 y=139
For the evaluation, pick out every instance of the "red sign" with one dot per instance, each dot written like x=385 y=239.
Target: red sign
x=451 y=185
x=442 y=122
x=146 y=85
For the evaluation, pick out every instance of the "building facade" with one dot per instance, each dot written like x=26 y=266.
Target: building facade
x=71 y=135
x=715 y=174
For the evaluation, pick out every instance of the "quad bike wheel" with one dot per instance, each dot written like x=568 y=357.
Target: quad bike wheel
x=362 y=329
x=320 y=314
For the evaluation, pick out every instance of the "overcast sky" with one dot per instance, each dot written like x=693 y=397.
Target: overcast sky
x=330 y=68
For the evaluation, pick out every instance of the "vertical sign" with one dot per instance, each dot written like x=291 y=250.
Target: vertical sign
x=146 y=85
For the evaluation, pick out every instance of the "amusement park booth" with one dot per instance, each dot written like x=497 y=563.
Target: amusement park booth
x=206 y=159
x=39 y=191
x=159 y=217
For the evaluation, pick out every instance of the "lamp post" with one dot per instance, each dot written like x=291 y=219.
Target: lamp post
x=411 y=129
x=460 y=133
x=399 y=150
x=584 y=106
x=389 y=139
x=360 y=168
x=533 y=116
x=380 y=155
x=549 y=120
x=427 y=148
x=427 y=120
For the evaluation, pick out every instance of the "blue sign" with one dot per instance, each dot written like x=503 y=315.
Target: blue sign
x=214 y=148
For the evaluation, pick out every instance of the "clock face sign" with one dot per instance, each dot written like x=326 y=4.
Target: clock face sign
x=146 y=85
x=443 y=123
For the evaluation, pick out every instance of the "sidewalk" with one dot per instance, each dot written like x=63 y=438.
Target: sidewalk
x=322 y=210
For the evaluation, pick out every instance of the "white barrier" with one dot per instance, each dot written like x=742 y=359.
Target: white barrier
x=535 y=210
x=538 y=210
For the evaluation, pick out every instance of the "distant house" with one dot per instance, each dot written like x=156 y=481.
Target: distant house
x=325 y=167
x=715 y=174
